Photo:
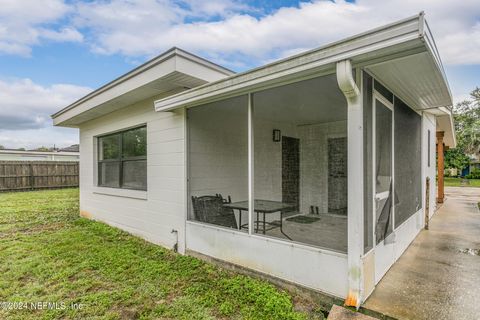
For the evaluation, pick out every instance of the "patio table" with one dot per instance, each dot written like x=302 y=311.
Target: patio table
x=262 y=207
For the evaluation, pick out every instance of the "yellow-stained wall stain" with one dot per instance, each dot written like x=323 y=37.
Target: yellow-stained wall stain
x=86 y=214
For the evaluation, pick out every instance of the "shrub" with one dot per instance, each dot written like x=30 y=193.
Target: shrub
x=474 y=174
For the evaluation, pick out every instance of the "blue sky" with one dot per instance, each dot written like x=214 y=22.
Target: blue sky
x=54 y=51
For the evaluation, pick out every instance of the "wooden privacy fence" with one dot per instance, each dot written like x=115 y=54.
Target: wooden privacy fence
x=32 y=175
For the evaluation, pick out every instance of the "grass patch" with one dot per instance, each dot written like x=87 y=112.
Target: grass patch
x=49 y=254
x=459 y=182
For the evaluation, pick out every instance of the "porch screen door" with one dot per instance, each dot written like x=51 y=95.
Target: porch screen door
x=383 y=184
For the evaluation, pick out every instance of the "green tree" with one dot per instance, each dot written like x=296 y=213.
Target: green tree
x=467 y=123
x=456 y=158
x=467 y=131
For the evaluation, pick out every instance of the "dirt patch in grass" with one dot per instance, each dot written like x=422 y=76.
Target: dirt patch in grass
x=50 y=254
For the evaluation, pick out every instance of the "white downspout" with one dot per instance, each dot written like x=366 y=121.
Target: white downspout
x=353 y=94
x=346 y=82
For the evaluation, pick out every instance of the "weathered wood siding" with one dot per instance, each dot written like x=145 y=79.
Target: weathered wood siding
x=33 y=175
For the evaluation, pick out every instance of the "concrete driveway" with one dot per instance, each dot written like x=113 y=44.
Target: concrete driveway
x=438 y=276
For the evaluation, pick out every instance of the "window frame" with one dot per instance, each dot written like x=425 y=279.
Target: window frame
x=121 y=159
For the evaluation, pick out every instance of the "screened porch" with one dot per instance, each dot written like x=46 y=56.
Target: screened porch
x=298 y=159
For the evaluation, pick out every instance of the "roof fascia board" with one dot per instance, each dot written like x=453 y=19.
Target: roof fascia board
x=367 y=43
x=192 y=68
x=125 y=77
x=203 y=62
x=173 y=52
x=398 y=55
x=255 y=87
x=433 y=51
x=452 y=126
x=146 y=76
x=445 y=123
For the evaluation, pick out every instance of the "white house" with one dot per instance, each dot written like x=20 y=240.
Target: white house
x=312 y=169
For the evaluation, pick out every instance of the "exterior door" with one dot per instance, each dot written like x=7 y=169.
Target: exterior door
x=291 y=171
x=383 y=185
x=337 y=176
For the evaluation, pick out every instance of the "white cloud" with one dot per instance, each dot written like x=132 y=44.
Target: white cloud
x=25 y=109
x=222 y=8
x=227 y=30
x=27 y=105
x=62 y=35
x=26 y=23
x=34 y=138
x=147 y=27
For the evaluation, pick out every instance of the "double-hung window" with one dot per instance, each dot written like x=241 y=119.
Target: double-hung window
x=122 y=159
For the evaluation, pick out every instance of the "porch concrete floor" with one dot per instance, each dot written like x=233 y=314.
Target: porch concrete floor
x=330 y=232
x=438 y=276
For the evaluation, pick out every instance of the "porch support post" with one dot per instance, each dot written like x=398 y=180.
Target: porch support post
x=440 y=166
x=251 y=194
x=353 y=94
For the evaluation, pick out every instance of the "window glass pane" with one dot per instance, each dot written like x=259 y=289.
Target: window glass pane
x=218 y=163
x=135 y=174
x=134 y=143
x=109 y=174
x=408 y=170
x=109 y=147
x=300 y=152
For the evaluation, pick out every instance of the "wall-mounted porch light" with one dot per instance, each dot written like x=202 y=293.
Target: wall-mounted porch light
x=277 y=135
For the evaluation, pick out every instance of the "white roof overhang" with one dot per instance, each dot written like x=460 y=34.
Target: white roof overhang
x=173 y=71
x=403 y=55
x=445 y=124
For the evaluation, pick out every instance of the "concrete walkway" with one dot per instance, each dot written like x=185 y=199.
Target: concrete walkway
x=438 y=277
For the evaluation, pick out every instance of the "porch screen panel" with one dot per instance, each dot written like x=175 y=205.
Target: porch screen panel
x=300 y=163
x=218 y=163
x=367 y=161
x=408 y=170
x=383 y=171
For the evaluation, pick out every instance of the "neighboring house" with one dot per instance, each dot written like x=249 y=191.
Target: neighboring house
x=311 y=169
x=474 y=165
x=31 y=155
x=72 y=148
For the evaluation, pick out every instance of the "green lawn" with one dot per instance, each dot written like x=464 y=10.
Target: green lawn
x=459 y=182
x=49 y=254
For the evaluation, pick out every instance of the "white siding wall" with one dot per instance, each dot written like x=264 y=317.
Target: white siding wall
x=218 y=153
x=152 y=214
x=228 y=176
x=314 y=163
x=268 y=158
